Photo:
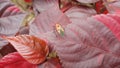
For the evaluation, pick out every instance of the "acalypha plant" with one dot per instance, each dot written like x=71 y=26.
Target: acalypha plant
x=60 y=33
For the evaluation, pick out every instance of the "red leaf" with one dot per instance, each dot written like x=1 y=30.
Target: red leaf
x=31 y=48
x=14 y=60
x=100 y=7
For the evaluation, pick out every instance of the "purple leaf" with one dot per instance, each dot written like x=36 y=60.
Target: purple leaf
x=42 y=5
x=80 y=12
x=46 y=21
x=9 y=26
x=86 y=44
x=10 y=20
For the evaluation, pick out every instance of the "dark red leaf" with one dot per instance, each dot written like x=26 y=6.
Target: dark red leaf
x=100 y=7
x=7 y=49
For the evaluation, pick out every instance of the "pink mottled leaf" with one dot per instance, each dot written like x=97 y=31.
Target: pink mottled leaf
x=112 y=22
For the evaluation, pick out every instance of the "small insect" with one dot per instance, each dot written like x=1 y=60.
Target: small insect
x=60 y=30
